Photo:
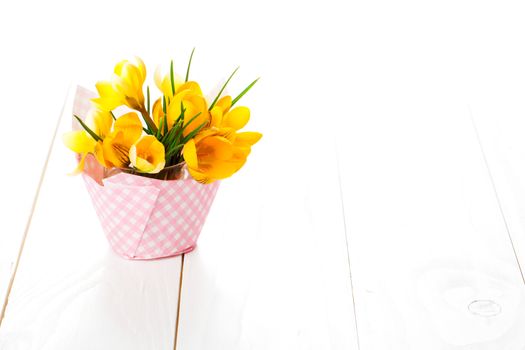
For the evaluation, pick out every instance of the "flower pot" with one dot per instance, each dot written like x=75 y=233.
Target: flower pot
x=148 y=218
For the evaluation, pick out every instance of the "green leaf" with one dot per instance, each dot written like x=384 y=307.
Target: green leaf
x=164 y=104
x=178 y=133
x=182 y=111
x=88 y=130
x=193 y=133
x=170 y=136
x=174 y=150
x=234 y=101
x=189 y=65
x=191 y=120
x=172 y=79
x=161 y=125
x=149 y=122
x=177 y=136
x=223 y=87
x=165 y=125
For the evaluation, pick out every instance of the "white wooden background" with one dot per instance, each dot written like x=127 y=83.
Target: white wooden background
x=383 y=208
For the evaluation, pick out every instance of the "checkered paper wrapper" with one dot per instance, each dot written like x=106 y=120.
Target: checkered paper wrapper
x=145 y=218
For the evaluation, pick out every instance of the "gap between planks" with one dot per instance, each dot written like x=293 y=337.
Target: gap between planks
x=178 y=302
x=338 y=168
x=494 y=189
x=32 y=210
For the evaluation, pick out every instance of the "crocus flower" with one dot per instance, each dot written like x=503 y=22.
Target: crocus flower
x=125 y=88
x=147 y=155
x=189 y=96
x=163 y=82
x=157 y=112
x=81 y=142
x=99 y=121
x=218 y=153
x=223 y=116
x=113 y=151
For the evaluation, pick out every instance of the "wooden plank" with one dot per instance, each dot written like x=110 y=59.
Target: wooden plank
x=500 y=124
x=15 y=226
x=71 y=291
x=271 y=268
x=20 y=191
x=432 y=265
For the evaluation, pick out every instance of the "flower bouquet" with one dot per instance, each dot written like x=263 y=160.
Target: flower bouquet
x=152 y=171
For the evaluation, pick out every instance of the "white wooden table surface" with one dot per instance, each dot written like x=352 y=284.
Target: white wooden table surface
x=413 y=238
x=384 y=207
x=271 y=270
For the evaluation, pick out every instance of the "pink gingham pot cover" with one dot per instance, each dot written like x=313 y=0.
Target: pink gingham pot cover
x=145 y=218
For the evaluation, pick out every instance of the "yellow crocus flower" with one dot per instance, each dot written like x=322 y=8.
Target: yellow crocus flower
x=157 y=114
x=222 y=106
x=125 y=88
x=147 y=155
x=218 y=153
x=188 y=93
x=163 y=83
x=224 y=117
x=82 y=143
x=99 y=121
x=113 y=151
x=189 y=96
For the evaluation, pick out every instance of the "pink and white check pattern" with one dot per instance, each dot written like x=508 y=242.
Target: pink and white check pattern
x=147 y=218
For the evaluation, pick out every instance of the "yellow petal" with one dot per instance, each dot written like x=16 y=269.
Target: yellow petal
x=173 y=110
x=162 y=82
x=131 y=128
x=80 y=165
x=114 y=151
x=99 y=155
x=241 y=152
x=216 y=117
x=224 y=103
x=194 y=105
x=224 y=169
x=99 y=121
x=237 y=118
x=216 y=147
x=128 y=80
x=157 y=112
x=133 y=72
x=204 y=133
x=79 y=141
x=192 y=86
x=109 y=98
x=227 y=133
x=248 y=137
x=200 y=177
x=147 y=155
x=141 y=66
x=189 y=153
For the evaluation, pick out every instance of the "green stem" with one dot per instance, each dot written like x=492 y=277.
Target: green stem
x=149 y=122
